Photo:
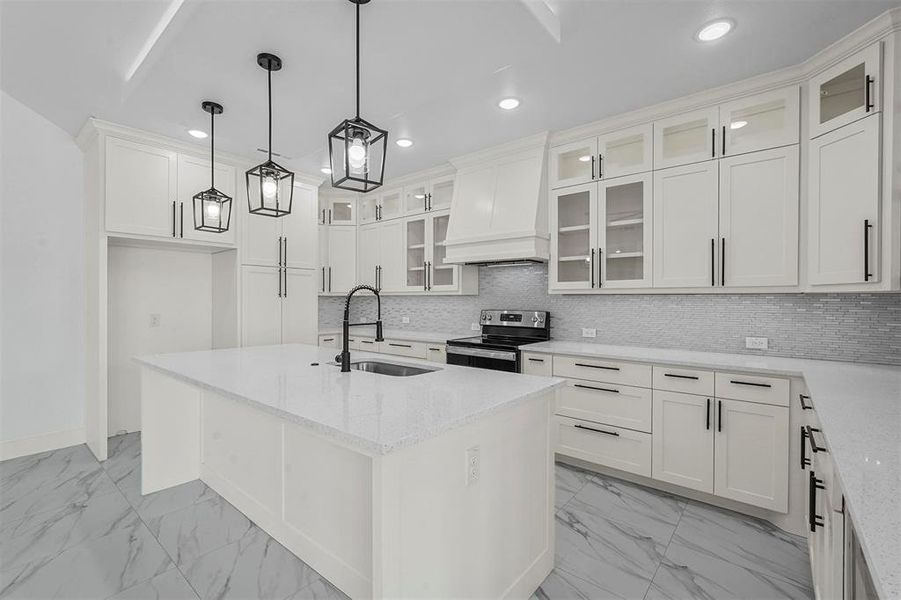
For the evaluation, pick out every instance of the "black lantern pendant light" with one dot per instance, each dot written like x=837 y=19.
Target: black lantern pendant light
x=212 y=208
x=270 y=187
x=356 y=147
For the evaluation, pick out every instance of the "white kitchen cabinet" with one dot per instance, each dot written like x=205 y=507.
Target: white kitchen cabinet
x=758 y=218
x=424 y=251
x=436 y=353
x=323 y=257
x=140 y=188
x=605 y=403
x=367 y=209
x=284 y=241
x=368 y=254
x=415 y=254
x=846 y=92
x=341 y=271
x=391 y=204
x=441 y=277
x=760 y=122
x=625 y=152
x=751 y=453
x=537 y=364
x=337 y=209
x=844 y=205
x=380 y=256
x=194 y=177
x=685 y=226
x=573 y=213
x=278 y=306
x=614 y=447
x=441 y=192
x=686 y=138
x=574 y=163
x=416 y=198
x=331 y=340
x=683 y=440
x=300 y=315
x=624 y=239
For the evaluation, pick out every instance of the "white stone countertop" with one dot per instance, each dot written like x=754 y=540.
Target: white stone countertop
x=404 y=335
x=375 y=413
x=859 y=407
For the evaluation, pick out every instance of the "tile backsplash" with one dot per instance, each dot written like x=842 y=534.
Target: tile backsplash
x=848 y=327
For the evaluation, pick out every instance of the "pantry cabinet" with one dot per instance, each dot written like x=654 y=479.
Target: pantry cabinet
x=846 y=92
x=615 y=154
x=844 y=205
x=278 y=306
x=338 y=262
x=380 y=256
x=140 y=188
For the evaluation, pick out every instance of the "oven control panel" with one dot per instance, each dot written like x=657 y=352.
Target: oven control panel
x=515 y=318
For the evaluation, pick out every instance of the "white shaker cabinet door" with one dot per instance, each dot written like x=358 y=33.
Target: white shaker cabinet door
x=683 y=440
x=299 y=229
x=299 y=306
x=685 y=226
x=751 y=453
x=844 y=205
x=368 y=254
x=759 y=219
x=261 y=237
x=140 y=189
x=390 y=254
x=261 y=319
x=341 y=273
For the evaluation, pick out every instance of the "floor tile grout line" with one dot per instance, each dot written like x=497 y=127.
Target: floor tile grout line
x=670 y=541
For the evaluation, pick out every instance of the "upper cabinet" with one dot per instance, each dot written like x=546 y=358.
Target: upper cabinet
x=623 y=152
x=416 y=198
x=624 y=232
x=141 y=183
x=760 y=122
x=337 y=209
x=686 y=138
x=289 y=241
x=573 y=218
x=368 y=209
x=847 y=91
x=441 y=192
x=391 y=204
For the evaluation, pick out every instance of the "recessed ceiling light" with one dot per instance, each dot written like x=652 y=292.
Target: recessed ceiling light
x=715 y=30
x=508 y=103
x=404 y=142
x=197 y=133
x=737 y=124
x=326 y=170
x=585 y=158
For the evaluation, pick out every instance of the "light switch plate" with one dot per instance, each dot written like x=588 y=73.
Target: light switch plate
x=405 y=319
x=757 y=343
x=589 y=332
x=154 y=320
x=473 y=465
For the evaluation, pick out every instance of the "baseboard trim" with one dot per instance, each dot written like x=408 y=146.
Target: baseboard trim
x=41 y=443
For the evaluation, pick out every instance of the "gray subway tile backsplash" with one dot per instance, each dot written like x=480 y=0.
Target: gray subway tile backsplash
x=848 y=327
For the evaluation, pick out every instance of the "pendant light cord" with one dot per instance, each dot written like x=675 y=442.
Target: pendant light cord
x=269 y=71
x=212 y=149
x=358 y=61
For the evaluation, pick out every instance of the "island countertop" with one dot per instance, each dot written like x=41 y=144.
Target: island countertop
x=375 y=413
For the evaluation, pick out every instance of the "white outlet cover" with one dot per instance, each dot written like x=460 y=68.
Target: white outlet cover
x=589 y=333
x=757 y=343
x=473 y=465
x=474 y=326
x=405 y=319
x=154 y=320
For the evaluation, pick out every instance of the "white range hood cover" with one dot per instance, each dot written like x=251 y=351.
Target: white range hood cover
x=499 y=209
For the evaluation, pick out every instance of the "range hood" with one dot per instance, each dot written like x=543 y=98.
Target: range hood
x=499 y=210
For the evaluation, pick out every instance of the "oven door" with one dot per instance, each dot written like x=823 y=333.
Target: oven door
x=483 y=358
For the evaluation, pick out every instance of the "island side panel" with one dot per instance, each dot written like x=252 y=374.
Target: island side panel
x=170 y=431
x=438 y=536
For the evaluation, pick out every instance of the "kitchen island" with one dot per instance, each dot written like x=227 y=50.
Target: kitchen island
x=433 y=485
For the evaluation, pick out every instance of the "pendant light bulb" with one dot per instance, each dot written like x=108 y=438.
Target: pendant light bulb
x=270 y=188
x=212 y=210
x=356 y=154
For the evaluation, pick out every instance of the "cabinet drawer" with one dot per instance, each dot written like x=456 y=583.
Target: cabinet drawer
x=752 y=388
x=366 y=344
x=330 y=341
x=609 y=371
x=537 y=364
x=689 y=381
x=618 y=405
x=621 y=449
x=410 y=349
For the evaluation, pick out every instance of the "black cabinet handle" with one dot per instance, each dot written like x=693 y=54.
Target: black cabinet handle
x=813 y=442
x=323 y=279
x=173 y=218
x=329 y=279
x=599 y=389
x=536 y=359
x=285 y=275
x=868 y=102
x=600 y=166
x=279 y=283
x=435 y=349
x=591 y=267
x=713 y=143
x=279 y=250
x=723 y=261
x=425 y=284
x=695 y=377
x=724 y=141
x=707 y=415
x=597 y=367
x=751 y=383
x=813 y=484
x=285 y=254
x=712 y=261
x=600 y=266
x=805 y=462
x=367 y=342
x=866 y=250
x=614 y=433
x=322 y=216
x=592 y=168
x=801 y=399
x=329 y=216
x=399 y=345
x=719 y=411
x=181 y=220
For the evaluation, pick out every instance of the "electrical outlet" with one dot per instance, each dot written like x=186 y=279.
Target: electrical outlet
x=757 y=343
x=474 y=326
x=154 y=320
x=589 y=332
x=405 y=319
x=473 y=465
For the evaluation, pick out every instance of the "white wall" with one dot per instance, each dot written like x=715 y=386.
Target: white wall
x=177 y=286
x=41 y=277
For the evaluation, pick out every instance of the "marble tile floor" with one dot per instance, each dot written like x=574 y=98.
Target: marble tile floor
x=72 y=527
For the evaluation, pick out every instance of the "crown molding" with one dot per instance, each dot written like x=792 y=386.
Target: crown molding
x=509 y=150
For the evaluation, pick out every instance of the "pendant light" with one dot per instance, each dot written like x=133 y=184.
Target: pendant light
x=356 y=147
x=270 y=187
x=212 y=208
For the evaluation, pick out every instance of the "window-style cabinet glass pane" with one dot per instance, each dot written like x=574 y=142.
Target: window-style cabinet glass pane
x=573 y=163
x=391 y=205
x=625 y=152
x=442 y=275
x=367 y=207
x=846 y=92
x=761 y=122
x=573 y=235
x=843 y=93
x=415 y=253
x=342 y=211
x=441 y=194
x=685 y=139
x=414 y=199
x=624 y=214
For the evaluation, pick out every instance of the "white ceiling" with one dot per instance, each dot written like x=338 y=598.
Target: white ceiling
x=433 y=70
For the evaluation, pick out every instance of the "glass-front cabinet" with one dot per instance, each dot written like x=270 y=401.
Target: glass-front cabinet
x=572 y=215
x=625 y=152
x=415 y=198
x=391 y=204
x=424 y=253
x=573 y=164
x=441 y=192
x=760 y=122
x=624 y=232
x=686 y=138
x=440 y=276
x=367 y=208
x=846 y=91
x=337 y=210
x=415 y=254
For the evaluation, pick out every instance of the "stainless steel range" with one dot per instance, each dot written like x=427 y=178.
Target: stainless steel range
x=504 y=332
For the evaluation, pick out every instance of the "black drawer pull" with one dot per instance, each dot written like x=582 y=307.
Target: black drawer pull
x=681 y=376
x=366 y=342
x=707 y=415
x=813 y=442
x=597 y=367
x=328 y=339
x=536 y=359
x=400 y=345
x=751 y=383
x=814 y=484
x=597 y=430
x=435 y=349
x=801 y=399
x=599 y=389
x=805 y=462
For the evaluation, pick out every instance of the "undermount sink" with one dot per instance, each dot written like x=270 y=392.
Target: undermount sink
x=388 y=368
